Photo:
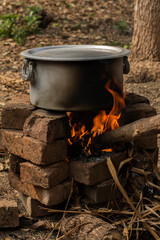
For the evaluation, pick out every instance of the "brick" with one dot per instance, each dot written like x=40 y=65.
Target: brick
x=14 y=115
x=133 y=98
x=14 y=163
x=34 y=208
x=102 y=192
x=93 y=172
x=8 y=213
x=53 y=196
x=33 y=150
x=147 y=142
x=142 y=160
x=47 y=126
x=45 y=177
x=138 y=111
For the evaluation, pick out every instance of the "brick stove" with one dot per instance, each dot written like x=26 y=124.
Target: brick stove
x=78 y=78
x=37 y=142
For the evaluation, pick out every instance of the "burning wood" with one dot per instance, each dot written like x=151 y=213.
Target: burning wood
x=98 y=131
x=131 y=132
x=85 y=127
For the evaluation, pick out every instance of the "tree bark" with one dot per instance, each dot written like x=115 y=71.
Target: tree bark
x=145 y=57
x=146 y=36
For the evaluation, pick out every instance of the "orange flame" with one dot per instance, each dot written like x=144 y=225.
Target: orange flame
x=101 y=122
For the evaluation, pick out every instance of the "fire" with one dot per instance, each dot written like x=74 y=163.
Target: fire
x=101 y=122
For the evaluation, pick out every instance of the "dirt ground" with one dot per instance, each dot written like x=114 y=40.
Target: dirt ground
x=74 y=22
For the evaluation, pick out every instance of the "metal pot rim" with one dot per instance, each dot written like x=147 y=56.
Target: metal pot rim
x=75 y=53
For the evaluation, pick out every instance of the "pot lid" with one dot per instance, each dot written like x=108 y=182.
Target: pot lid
x=75 y=53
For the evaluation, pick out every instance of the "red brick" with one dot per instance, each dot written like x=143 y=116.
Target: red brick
x=34 y=208
x=47 y=126
x=102 y=192
x=53 y=196
x=14 y=115
x=93 y=172
x=33 y=150
x=45 y=177
x=14 y=162
x=8 y=213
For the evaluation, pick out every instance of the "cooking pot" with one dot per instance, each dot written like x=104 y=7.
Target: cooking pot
x=73 y=77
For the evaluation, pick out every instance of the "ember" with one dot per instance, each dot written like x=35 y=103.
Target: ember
x=84 y=133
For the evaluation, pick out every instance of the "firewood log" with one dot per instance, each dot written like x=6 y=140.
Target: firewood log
x=88 y=227
x=130 y=132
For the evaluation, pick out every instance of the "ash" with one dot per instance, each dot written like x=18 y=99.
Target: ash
x=95 y=155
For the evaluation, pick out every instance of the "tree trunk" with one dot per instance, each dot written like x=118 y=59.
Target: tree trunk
x=145 y=57
x=146 y=36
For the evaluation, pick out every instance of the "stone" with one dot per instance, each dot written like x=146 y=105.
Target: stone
x=92 y=172
x=32 y=149
x=47 y=126
x=44 y=176
x=8 y=214
x=14 y=163
x=14 y=115
x=101 y=193
x=34 y=208
x=53 y=196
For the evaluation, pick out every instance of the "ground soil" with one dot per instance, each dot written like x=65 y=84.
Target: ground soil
x=74 y=22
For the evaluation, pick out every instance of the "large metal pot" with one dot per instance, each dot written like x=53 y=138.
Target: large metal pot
x=73 y=77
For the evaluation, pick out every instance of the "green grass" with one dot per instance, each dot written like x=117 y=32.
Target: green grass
x=19 y=26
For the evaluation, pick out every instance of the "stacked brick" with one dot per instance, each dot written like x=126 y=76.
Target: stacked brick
x=95 y=178
x=37 y=143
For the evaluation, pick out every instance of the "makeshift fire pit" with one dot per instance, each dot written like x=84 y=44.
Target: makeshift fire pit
x=81 y=126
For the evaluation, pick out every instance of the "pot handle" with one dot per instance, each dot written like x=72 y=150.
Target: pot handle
x=126 y=66
x=27 y=70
